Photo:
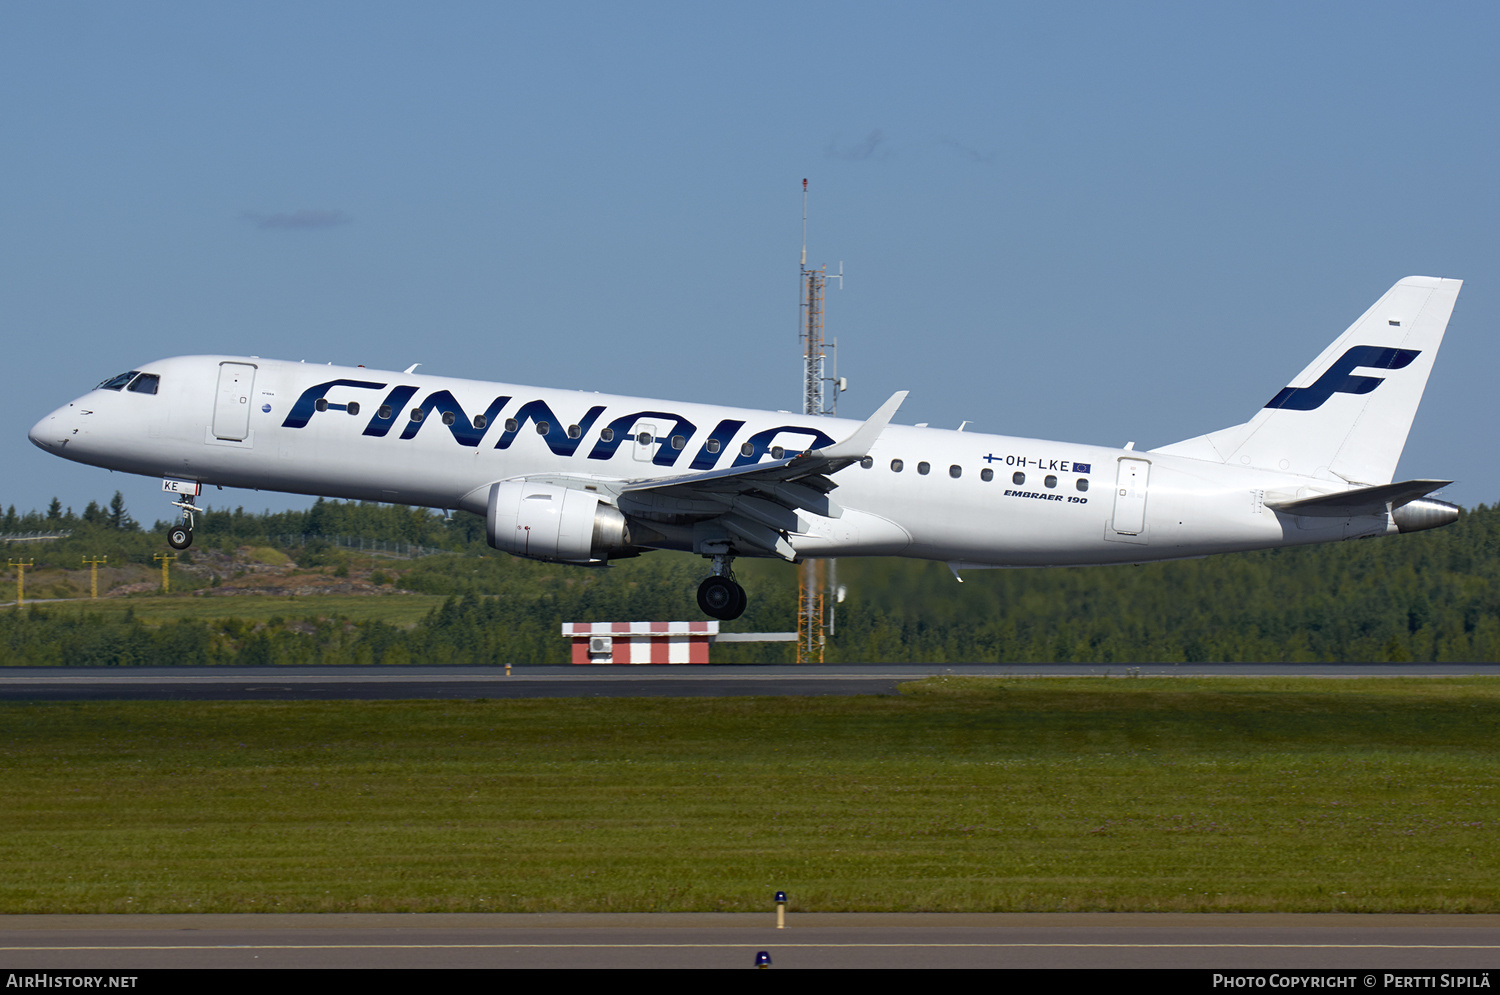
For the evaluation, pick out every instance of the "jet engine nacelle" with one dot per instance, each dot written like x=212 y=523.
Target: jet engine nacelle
x=552 y=522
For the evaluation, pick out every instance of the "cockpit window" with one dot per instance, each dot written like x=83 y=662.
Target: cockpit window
x=146 y=383
x=116 y=383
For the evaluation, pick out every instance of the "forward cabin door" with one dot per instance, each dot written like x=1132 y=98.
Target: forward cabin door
x=1130 y=497
x=232 y=403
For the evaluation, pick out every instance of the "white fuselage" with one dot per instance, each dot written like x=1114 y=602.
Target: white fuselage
x=961 y=497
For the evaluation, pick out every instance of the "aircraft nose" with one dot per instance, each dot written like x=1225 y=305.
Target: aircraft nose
x=51 y=432
x=39 y=432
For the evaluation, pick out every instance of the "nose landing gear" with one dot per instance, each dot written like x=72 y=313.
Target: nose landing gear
x=719 y=596
x=181 y=536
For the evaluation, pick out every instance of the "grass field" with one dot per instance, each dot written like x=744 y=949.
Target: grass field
x=958 y=794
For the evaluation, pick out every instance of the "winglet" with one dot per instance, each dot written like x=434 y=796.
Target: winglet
x=857 y=446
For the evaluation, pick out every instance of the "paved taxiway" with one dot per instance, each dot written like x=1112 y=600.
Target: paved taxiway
x=355 y=683
x=1063 y=940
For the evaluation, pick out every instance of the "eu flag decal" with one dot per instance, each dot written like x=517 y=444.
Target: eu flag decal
x=1082 y=467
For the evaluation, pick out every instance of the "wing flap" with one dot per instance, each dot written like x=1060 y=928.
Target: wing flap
x=768 y=513
x=756 y=534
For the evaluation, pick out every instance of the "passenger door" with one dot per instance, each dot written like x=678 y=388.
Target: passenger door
x=1130 y=497
x=232 y=403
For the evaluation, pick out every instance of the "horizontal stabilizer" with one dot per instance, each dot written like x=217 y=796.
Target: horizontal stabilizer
x=1361 y=500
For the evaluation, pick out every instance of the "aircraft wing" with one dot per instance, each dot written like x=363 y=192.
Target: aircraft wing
x=758 y=505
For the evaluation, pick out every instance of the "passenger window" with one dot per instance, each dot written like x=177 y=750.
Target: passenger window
x=1018 y=477
x=678 y=442
x=645 y=439
x=1083 y=483
x=747 y=450
x=986 y=474
x=713 y=445
x=480 y=421
x=449 y=418
x=542 y=428
x=321 y=404
x=352 y=407
x=924 y=468
x=955 y=471
x=416 y=414
x=1051 y=481
x=384 y=413
x=511 y=425
x=778 y=453
x=146 y=383
x=867 y=462
x=607 y=435
x=897 y=465
x=119 y=382
x=574 y=432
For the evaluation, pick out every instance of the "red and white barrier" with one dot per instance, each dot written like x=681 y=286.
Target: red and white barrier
x=640 y=642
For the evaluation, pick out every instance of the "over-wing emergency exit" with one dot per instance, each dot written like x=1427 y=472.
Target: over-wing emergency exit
x=586 y=478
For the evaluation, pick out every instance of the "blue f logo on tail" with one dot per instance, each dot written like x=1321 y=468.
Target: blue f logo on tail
x=1337 y=378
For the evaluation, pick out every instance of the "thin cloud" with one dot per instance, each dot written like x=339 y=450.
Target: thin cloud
x=870 y=148
x=303 y=219
x=971 y=154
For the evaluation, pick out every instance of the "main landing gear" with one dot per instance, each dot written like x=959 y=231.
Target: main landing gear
x=719 y=596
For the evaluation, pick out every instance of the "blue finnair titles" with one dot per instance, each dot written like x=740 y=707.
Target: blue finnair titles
x=586 y=478
x=1337 y=377
x=562 y=439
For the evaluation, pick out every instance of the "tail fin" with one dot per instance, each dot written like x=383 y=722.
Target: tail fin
x=1338 y=419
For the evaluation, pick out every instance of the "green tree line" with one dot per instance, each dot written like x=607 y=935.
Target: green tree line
x=1428 y=596
x=109 y=529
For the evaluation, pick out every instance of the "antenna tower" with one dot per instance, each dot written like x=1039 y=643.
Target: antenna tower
x=820 y=392
x=817 y=397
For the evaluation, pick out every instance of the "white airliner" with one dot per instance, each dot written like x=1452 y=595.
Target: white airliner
x=585 y=478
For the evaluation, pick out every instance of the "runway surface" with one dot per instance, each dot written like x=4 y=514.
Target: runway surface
x=718 y=940
x=369 y=683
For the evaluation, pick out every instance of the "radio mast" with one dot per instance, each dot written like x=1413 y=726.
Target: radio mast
x=817 y=397
x=820 y=392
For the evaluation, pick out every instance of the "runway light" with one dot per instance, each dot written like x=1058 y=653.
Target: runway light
x=781 y=910
x=763 y=960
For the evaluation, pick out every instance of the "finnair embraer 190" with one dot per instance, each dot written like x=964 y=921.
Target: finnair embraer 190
x=585 y=478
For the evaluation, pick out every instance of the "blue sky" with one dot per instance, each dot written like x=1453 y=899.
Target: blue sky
x=1096 y=222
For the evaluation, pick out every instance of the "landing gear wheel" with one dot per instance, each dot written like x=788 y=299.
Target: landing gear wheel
x=722 y=598
x=180 y=537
